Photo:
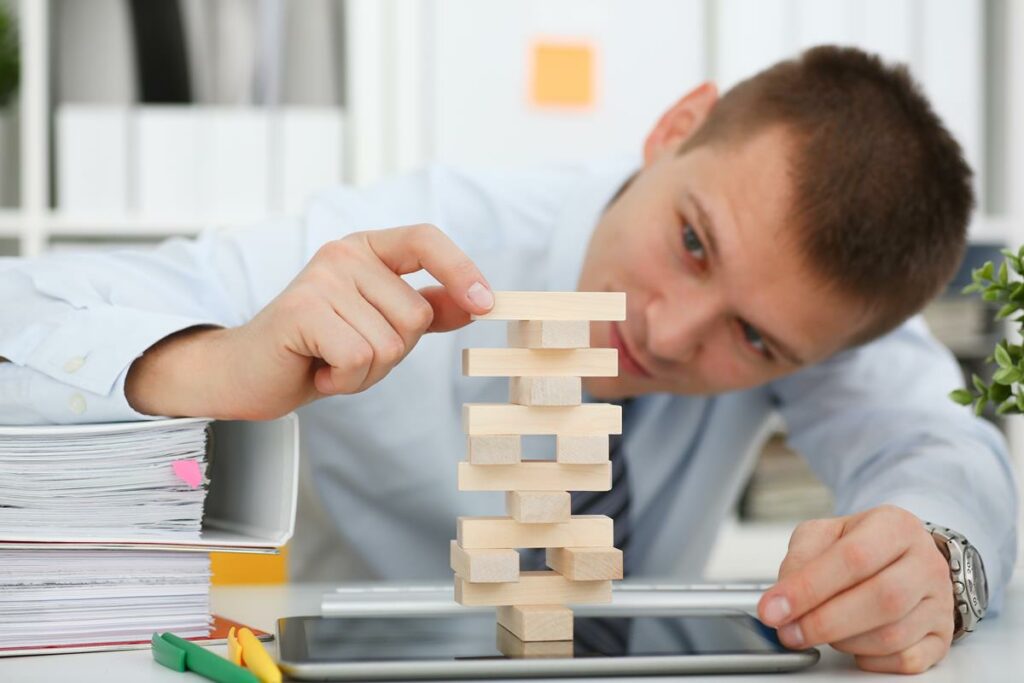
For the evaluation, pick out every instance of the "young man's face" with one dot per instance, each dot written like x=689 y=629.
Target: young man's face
x=718 y=297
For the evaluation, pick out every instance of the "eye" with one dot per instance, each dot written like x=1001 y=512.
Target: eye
x=692 y=243
x=753 y=339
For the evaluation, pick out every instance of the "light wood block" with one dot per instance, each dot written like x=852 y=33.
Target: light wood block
x=540 y=362
x=581 y=450
x=557 y=306
x=535 y=475
x=581 y=531
x=545 y=391
x=480 y=419
x=484 y=565
x=549 y=334
x=510 y=645
x=539 y=507
x=537 y=622
x=500 y=449
x=586 y=564
x=533 y=588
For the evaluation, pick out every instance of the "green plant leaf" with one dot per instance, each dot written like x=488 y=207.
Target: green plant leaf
x=1006 y=311
x=1020 y=402
x=962 y=396
x=990 y=295
x=1007 y=407
x=999 y=392
x=988 y=271
x=979 y=406
x=979 y=384
x=1002 y=356
x=971 y=288
x=1006 y=376
x=1004 y=274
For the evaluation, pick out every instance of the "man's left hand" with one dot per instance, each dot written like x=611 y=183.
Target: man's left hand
x=873 y=585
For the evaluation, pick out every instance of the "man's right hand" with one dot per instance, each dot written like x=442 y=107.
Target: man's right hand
x=341 y=325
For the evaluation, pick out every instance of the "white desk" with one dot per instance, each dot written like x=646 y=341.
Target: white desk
x=995 y=653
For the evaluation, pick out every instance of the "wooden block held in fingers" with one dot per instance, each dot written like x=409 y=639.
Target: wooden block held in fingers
x=557 y=306
x=533 y=588
x=545 y=391
x=580 y=531
x=535 y=475
x=540 y=362
x=500 y=449
x=539 y=507
x=484 y=565
x=510 y=645
x=537 y=622
x=481 y=419
x=549 y=334
x=581 y=450
x=586 y=564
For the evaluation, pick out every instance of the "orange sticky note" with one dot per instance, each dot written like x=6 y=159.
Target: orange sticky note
x=188 y=471
x=562 y=74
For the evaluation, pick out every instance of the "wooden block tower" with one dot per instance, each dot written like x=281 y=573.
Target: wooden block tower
x=549 y=336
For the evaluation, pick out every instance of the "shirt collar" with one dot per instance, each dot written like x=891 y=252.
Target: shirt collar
x=580 y=216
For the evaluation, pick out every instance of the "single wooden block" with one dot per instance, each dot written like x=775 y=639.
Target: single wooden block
x=484 y=565
x=557 y=306
x=500 y=449
x=586 y=564
x=545 y=391
x=510 y=645
x=549 y=334
x=480 y=419
x=581 y=450
x=533 y=588
x=539 y=507
x=581 y=531
x=537 y=622
x=535 y=475
x=540 y=362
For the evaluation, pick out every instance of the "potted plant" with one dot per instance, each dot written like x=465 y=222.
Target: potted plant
x=1004 y=287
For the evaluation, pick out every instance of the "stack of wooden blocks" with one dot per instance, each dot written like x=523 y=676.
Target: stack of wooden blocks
x=549 y=333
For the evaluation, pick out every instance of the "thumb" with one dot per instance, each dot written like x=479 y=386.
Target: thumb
x=448 y=315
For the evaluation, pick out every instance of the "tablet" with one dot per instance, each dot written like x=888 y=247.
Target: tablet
x=474 y=646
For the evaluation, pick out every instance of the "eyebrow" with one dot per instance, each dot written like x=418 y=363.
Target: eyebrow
x=708 y=228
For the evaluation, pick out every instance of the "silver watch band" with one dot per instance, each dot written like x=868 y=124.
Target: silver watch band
x=967 y=572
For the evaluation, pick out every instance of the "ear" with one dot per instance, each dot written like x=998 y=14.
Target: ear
x=680 y=121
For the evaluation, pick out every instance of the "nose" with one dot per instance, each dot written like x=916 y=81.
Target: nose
x=678 y=328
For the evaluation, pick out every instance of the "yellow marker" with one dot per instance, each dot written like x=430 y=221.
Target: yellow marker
x=234 y=649
x=256 y=658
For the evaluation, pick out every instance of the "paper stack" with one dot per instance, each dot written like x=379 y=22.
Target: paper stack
x=64 y=487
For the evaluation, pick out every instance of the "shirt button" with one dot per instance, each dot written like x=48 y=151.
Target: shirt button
x=77 y=404
x=74 y=364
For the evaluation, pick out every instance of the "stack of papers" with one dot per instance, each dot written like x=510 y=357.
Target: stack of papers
x=125 y=481
x=138 y=486
x=77 y=597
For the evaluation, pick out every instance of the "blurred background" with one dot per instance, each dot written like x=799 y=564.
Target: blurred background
x=132 y=120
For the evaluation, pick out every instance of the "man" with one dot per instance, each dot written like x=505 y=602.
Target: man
x=772 y=246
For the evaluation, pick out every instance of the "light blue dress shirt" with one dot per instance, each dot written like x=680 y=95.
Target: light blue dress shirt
x=874 y=423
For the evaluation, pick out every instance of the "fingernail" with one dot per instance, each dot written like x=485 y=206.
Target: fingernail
x=777 y=609
x=792 y=635
x=481 y=296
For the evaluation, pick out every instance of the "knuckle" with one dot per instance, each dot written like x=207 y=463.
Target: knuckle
x=418 y=316
x=804 y=591
x=392 y=349
x=815 y=628
x=893 y=600
x=807 y=529
x=857 y=557
x=359 y=356
x=892 y=637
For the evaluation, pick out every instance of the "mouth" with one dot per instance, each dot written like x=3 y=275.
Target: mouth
x=627 y=361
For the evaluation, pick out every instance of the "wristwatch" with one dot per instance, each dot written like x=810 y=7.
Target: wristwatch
x=970 y=587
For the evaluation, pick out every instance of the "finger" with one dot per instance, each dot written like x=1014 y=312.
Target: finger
x=387 y=345
x=347 y=355
x=927 y=617
x=447 y=314
x=405 y=309
x=884 y=598
x=425 y=247
x=917 y=658
x=809 y=540
x=865 y=549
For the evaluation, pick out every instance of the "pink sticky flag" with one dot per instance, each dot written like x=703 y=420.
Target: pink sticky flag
x=188 y=471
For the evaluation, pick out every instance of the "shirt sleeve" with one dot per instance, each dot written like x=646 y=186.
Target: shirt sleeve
x=876 y=425
x=71 y=324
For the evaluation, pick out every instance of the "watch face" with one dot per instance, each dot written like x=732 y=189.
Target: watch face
x=977 y=584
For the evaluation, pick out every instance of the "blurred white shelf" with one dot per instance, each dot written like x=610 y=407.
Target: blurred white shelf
x=748 y=551
x=128 y=225
x=10 y=223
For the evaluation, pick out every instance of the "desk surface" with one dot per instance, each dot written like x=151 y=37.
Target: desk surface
x=994 y=653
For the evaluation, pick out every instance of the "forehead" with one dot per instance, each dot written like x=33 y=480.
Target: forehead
x=747 y=190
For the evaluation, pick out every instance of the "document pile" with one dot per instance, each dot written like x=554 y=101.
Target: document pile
x=89 y=516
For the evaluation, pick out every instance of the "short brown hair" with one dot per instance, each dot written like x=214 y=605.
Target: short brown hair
x=883 y=194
